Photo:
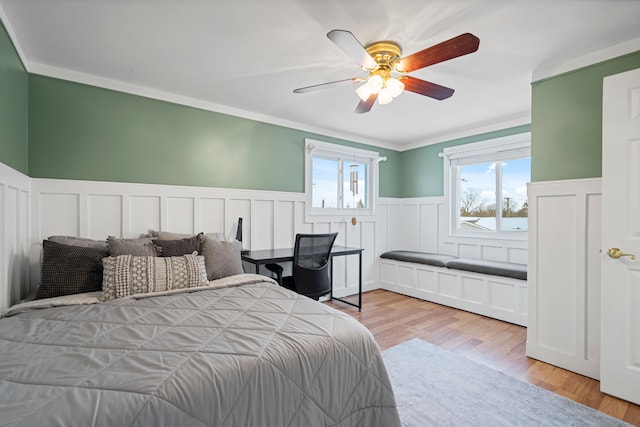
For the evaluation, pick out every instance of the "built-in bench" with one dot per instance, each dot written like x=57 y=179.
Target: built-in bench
x=491 y=288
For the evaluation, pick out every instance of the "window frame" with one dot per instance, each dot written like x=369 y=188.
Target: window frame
x=506 y=148
x=326 y=150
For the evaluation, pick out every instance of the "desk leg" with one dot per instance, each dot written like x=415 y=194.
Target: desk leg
x=360 y=282
x=331 y=278
x=359 y=305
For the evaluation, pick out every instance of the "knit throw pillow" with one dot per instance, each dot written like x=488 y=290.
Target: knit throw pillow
x=127 y=275
x=69 y=270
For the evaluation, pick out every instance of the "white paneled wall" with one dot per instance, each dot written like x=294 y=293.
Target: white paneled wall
x=270 y=219
x=564 y=274
x=421 y=224
x=34 y=209
x=15 y=232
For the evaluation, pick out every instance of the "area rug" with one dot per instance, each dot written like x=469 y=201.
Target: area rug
x=435 y=387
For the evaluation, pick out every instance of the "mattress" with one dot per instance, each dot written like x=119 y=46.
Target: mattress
x=241 y=352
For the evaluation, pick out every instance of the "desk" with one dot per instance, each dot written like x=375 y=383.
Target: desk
x=269 y=256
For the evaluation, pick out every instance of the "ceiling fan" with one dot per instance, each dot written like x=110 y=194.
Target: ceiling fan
x=382 y=58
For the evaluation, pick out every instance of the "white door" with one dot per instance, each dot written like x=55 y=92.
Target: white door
x=620 y=351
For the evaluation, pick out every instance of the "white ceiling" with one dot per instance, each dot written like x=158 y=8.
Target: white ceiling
x=245 y=57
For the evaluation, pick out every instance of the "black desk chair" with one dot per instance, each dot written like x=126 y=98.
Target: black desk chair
x=310 y=265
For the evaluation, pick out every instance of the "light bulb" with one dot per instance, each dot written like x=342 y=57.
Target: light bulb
x=395 y=86
x=375 y=82
x=384 y=96
x=364 y=91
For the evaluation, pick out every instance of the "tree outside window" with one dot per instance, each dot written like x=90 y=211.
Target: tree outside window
x=479 y=207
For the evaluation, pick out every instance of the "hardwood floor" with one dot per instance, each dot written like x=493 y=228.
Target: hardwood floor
x=394 y=318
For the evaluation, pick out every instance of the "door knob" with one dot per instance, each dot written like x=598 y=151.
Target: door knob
x=617 y=253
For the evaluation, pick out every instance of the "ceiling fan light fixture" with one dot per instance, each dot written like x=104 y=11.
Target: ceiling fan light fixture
x=395 y=86
x=376 y=82
x=385 y=96
x=372 y=85
x=364 y=91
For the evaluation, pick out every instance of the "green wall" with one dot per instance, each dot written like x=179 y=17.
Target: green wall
x=51 y=128
x=423 y=170
x=83 y=132
x=566 y=121
x=13 y=106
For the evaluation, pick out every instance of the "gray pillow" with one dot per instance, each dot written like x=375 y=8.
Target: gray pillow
x=142 y=246
x=80 y=241
x=69 y=270
x=221 y=259
x=178 y=247
x=152 y=233
x=168 y=235
x=215 y=236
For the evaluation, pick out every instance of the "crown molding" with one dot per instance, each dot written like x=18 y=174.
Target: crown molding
x=547 y=71
x=498 y=125
x=14 y=39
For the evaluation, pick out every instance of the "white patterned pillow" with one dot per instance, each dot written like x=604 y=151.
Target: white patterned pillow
x=126 y=275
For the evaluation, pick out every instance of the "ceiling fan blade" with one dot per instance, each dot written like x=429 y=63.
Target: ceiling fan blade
x=426 y=88
x=354 y=80
x=463 y=44
x=365 y=106
x=350 y=45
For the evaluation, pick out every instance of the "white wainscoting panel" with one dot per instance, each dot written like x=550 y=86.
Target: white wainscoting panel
x=284 y=232
x=211 y=211
x=180 y=213
x=270 y=219
x=141 y=212
x=263 y=224
x=391 y=208
x=62 y=215
x=15 y=235
x=107 y=206
x=564 y=274
x=429 y=216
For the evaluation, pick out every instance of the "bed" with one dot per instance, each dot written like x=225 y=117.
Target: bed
x=240 y=351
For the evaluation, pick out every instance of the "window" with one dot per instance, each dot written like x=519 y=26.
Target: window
x=488 y=186
x=340 y=180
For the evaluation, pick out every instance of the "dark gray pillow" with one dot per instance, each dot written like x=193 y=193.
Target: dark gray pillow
x=69 y=270
x=221 y=259
x=168 y=235
x=142 y=246
x=178 y=247
x=80 y=241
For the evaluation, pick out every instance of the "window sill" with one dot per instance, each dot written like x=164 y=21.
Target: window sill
x=504 y=236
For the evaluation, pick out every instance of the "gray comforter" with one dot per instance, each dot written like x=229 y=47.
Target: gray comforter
x=240 y=354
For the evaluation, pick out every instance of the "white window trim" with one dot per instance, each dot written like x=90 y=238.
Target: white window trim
x=371 y=158
x=489 y=150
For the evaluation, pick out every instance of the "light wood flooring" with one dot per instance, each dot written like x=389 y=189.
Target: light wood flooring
x=394 y=318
